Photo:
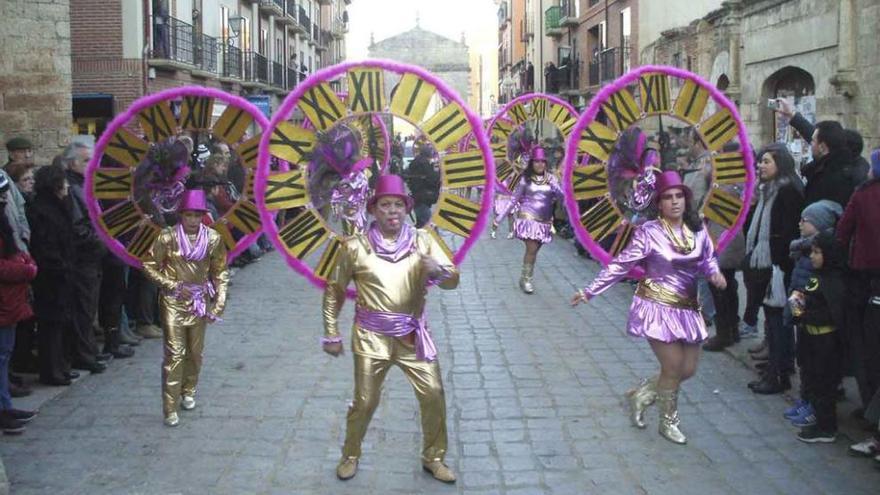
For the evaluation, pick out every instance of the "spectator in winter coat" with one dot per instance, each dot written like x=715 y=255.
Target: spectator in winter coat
x=859 y=232
x=52 y=248
x=17 y=268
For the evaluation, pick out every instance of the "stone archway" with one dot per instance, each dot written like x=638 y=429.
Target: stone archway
x=798 y=87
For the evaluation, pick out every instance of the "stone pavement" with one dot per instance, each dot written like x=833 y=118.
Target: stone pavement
x=534 y=403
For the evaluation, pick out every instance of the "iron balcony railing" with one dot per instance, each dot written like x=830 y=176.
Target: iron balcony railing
x=304 y=20
x=172 y=39
x=291 y=78
x=609 y=64
x=205 y=53
x=551 y=17
x=277 y=74
x=594 y=73
x=256 y=67
x=231 y=62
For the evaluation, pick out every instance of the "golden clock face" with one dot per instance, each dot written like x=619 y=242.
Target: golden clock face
x=530 y=120
x=656 y=118
x=323 y=197
x=189 y=137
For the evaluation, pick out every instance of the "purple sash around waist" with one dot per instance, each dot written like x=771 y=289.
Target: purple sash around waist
x=201 y=294
x=399 y=325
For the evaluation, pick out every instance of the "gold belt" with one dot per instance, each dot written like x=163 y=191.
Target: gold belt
x=653 y=291
x=524 y=215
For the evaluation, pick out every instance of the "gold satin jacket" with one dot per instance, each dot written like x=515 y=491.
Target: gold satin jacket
x=382 y=286
x=165 y=266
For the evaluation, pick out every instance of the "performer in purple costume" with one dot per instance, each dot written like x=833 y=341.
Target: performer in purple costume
x=535 y=197
x=674 y=251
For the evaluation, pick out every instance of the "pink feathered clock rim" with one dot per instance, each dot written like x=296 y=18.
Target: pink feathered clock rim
x=590 y=115
x=130 y=113
x=284 y=111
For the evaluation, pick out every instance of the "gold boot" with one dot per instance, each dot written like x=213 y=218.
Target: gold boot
x=525 y=281
x=640 y=398
x=667 y=401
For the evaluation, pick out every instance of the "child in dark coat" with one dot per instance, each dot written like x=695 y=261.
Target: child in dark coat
x=820 y=313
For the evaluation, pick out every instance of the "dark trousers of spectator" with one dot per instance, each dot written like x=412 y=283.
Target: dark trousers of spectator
x=423 y=214
x=726 y=307
x=819 y=357
x=82 y=348
x=780 y=338
x=142 y=299
x=50 y=338
x=112 y=295
x=756 y=282
x=861 y=338
x=23 y=359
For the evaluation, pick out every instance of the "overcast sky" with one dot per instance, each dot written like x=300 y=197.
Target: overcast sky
x=385 y=18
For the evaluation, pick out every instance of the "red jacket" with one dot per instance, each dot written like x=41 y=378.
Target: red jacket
x=859 y=227
x=16 y=272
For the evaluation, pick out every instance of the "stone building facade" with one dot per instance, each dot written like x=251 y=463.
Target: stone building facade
x=35 y=75
x=447 y=59
x=821 y=54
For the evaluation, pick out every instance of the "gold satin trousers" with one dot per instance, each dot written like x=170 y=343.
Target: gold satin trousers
x=369 y=374
x=182 y=362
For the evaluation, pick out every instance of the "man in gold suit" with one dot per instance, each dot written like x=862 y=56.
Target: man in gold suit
x=188 y=263
x=392 y=265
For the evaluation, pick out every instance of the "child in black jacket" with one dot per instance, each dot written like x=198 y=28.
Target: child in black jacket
x=821 y=318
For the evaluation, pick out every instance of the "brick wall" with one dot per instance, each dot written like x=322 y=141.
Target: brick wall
x=35 y=75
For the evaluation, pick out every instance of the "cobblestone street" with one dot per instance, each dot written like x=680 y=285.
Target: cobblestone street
x=534 y=396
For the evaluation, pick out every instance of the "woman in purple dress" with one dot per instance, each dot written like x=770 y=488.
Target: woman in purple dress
x=674 y=250
x=535 y=198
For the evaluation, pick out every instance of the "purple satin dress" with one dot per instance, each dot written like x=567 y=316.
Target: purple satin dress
x=673 y=271
x=535 y=203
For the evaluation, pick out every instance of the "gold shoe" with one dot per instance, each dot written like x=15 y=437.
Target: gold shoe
x=640 y=398
x=439 y=471
x=525 y=280
x=347 y=468
x=667 y=401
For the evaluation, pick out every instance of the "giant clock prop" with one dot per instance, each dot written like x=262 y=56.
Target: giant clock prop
x=655 y=117
x=308 y=230
x=145 y=159
x=530 y=120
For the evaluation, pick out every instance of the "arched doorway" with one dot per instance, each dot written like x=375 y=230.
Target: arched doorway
x=798 y=87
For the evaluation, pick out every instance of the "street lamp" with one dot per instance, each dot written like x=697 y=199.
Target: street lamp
x=235 y=26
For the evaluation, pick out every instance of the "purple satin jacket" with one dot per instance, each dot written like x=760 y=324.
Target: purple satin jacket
x=536 y=200
x=651 y=249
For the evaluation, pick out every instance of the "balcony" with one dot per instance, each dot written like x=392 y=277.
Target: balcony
x=564 y=79
x=551 y=21
x=272 y=7
x=278 y=75
x=324 y=38
x=568 y=13
x=610 y=64
x=304 y=21
x=172 y=43
x=205 y=51
x=256 y=69
x=231 y=62
x=503 y=15
x=292 y=78
x=289 y=16
x=325 y=2
x=338 y=28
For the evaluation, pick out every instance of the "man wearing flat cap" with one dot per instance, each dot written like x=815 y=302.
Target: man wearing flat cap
x=20 y=150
